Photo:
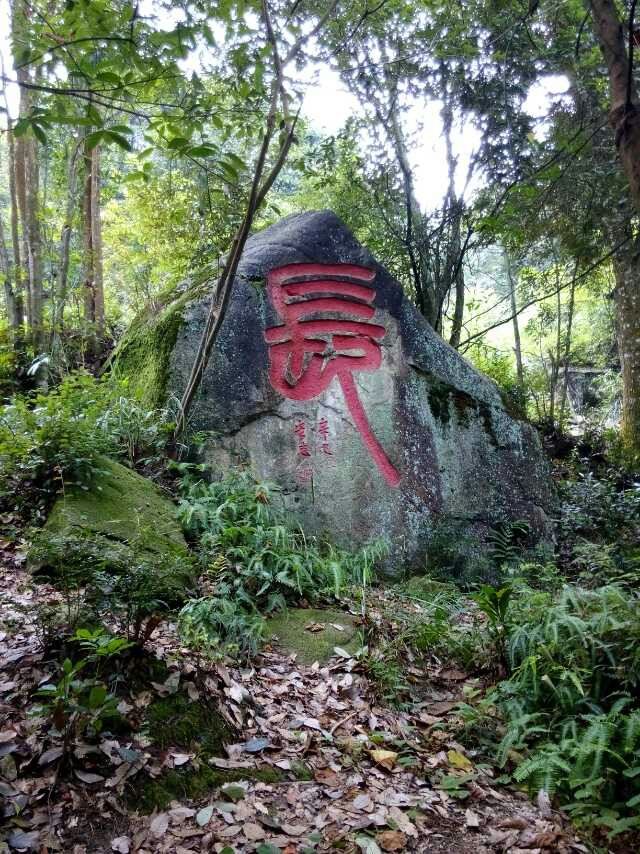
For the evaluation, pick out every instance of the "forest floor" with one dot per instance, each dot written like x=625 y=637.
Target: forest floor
x=345 y=773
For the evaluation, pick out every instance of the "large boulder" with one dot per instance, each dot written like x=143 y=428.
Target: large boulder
x=326 y=380
x=120 y=525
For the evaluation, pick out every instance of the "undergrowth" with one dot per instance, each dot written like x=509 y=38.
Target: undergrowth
x=253 y=563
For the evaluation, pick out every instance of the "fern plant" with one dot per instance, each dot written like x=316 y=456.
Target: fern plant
x=571 y=707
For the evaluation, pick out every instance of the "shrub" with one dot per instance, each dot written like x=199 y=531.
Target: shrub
x=56 y=439
x=261 y=563
x=78 y=705
x=571 y=706
x=599 y=527
x=216 y=627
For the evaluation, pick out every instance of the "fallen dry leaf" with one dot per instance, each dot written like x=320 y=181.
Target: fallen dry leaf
x=385 y=758
x=459 y=760
x=392 y=840
x=159 y=824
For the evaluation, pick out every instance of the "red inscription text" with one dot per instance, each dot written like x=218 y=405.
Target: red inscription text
x=310 y=349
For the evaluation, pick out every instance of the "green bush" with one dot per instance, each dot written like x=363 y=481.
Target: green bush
x=571 y=706
x=52 y=440
x=216 y=627
x=253 y=556
x=599 y=527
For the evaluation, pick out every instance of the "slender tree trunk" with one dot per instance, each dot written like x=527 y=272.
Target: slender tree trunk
x=567 y=349
x=624 y=117
x=517 y=345
x=7 y=269
x=27 y=181
x=18 y=273
x=96 y=240
x=92 y=238
x=458 y=310
x=32 y=181
x=60 y=296
x=626 y=265
x=21 y=208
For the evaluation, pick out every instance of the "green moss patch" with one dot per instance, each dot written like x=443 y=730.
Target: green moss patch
x=292 y=631
x=123 y=521
x=143 y=356
x=178 y=722
x=194 y=783
x=427 y=589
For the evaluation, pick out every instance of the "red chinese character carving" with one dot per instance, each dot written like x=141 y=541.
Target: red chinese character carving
x=300 y=430
x=323 y=432
x=308 y=351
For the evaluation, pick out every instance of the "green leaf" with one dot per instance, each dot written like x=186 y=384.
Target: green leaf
x=177 y=143
x=235 y=161
x=109 y=77
x=93 y=139
x=94 y=115
x=97 y=696
x=120 y=140
x=202 y=151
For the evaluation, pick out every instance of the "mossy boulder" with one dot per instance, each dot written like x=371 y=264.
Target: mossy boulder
x=313 y=634
x=121 y=522
x=388 y=440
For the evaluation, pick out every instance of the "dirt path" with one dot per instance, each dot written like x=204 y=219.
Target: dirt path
x=353 y=776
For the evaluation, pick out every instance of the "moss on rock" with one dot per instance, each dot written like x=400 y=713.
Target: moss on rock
x=178 y=722
x=290 y=631
x=426 y=588
x=143 y=356
x=122 y=522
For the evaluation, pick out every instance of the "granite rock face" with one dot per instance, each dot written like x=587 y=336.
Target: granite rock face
x=327 y=381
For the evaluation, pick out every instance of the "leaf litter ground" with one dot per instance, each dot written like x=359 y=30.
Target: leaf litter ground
x=354 y=776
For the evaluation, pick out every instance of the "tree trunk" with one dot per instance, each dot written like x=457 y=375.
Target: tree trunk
x=626 y=265
x=624 y=113
x=92 y=238
x=517 y=345
x=32 y=181
x=18 y=273
x=458 y=275
x=624 y=117
x=6 y=266
x=27 y=181
x=567 y=350
x=96 y=240
x=60 y=296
